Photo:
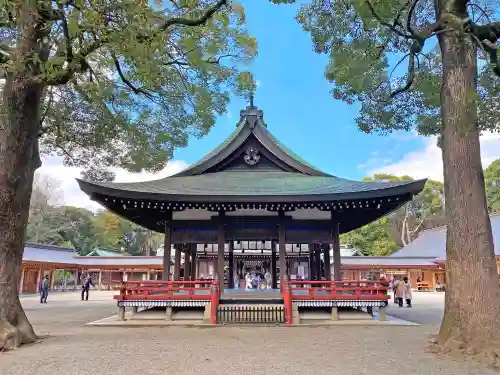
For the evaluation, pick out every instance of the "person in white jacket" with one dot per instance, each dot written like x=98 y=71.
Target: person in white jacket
x=407 y=291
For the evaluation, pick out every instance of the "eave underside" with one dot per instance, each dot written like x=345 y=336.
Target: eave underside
x=255 y=220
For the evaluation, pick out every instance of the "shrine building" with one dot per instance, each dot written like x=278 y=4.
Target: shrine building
x=252 y=205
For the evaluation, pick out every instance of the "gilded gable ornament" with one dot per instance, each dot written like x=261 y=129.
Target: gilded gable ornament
x=252 y=156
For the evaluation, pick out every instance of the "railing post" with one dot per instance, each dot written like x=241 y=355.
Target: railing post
x=123 y=290
x=214 y=301
x=287 y=301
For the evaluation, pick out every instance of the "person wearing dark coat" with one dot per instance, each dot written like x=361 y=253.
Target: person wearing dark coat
x=44 y=289
x=86 y=285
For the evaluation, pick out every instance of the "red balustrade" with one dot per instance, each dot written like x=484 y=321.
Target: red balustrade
x=338 y=290
x=164 y=290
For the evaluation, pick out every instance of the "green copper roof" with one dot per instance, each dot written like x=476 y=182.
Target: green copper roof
x=285 y=177
x=251 y=124
x=105 y=253
x=219 y=148
x=287 y=151
x=251 y=184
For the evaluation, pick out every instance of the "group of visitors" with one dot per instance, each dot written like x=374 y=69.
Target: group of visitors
x=402 y=291
x=44 y=288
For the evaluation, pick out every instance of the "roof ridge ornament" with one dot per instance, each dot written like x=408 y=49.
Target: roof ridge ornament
x=252 y=113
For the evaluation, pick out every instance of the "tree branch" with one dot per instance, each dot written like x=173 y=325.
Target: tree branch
x=80 y=65
x=136 y=90
x=392 y=27
x=67 y=38
x=486 y=37
x=194 y=22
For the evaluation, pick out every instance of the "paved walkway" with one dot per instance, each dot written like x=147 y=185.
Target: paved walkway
x=341 y=350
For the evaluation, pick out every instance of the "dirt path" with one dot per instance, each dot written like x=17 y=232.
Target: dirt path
x=74 y=349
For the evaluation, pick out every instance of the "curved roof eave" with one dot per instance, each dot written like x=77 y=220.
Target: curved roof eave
x=412 y=187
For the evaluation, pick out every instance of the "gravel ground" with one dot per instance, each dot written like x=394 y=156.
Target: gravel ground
x=74 y=349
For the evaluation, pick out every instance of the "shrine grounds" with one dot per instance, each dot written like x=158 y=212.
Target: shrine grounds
x=72 y=348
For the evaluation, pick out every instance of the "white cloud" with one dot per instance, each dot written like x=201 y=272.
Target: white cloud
x=427 y=162
x=72 y=195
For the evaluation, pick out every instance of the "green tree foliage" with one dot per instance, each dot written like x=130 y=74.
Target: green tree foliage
x=384 y=236
x=86 y=231
x=105 y=84
x=124 y=83
x=492 y=182
x=414 y=65
x=369 y=43
x=78 y=227
x=374 y=239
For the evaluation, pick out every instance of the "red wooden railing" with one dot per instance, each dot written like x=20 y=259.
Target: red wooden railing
x=339 y=290
x=178 y=290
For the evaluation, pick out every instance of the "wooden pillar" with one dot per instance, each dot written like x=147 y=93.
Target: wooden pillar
x=221 y=241
x=187 y=263
x=193 y=261
x=326 y=258
x=100 y=279
x=167 y=246
x=337 y=265
x=273 y=266
x=21 y=280
x=282 y=248
x=230 y=279
x=52 y=279
x=39 y=279
x=317 y=261
x=177 y=262
x=312 y=264
x=65 y=279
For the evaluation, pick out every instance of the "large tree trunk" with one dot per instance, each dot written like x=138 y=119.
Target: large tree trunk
x=19 y=159
x=472 y=302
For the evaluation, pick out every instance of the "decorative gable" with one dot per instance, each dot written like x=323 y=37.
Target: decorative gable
x=251 y=146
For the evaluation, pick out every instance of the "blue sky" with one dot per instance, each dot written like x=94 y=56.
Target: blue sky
x=300 y=111
x=298 y=107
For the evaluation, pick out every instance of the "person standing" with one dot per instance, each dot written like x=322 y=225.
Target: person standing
x=44 y=289
x=87 y=283
x=400 y=291
x=407 y=291
x=393 y=287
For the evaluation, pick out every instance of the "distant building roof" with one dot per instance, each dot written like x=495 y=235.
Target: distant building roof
x=432 y=242
x=49 y=254
x=100 y=252
x=390 y=262
x=346 y=251
x=68 y=257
